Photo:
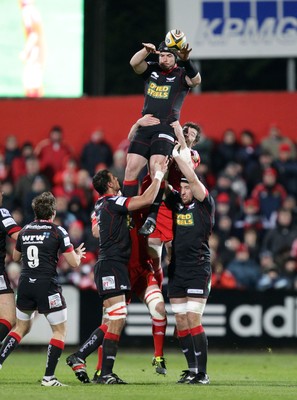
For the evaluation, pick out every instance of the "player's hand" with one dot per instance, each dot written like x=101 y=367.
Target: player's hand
x=150 y=48
x=81 y=250
x=163 y=166
x=148 y=120
x=178 y=130
x=184 y=53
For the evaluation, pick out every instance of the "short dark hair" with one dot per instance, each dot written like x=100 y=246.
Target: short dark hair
x=193 y=125
x=101 y=181
x=44 y=205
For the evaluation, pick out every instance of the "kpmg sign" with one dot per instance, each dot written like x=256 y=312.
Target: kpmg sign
x=236 y=28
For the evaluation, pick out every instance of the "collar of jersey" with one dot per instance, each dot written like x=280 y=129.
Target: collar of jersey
x=168 y=72
x=107 y=195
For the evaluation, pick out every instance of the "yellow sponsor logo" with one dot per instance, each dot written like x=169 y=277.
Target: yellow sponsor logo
x=184 y=219
x=158 y=92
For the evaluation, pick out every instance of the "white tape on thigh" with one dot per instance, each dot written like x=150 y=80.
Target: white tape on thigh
x=152 y=299
x=195 y=307
x=179 y=308
x=117 y=311
x=57 y=317
x=24 y=315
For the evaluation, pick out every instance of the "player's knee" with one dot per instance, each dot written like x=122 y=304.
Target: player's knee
x=155 y=303
x=117 y=311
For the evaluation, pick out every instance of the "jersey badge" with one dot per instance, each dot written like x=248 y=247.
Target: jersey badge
x=108 y=282
x=4 y=212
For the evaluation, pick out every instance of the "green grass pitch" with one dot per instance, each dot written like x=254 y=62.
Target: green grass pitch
x=238 y=375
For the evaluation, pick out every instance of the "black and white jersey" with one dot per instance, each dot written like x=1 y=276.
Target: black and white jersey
x=193 y=225
x=8 y=226
x=164 y=92
x=40 y=242
x=114 y=237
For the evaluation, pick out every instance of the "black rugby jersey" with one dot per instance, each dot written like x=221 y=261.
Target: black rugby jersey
x=8 y=226
x=193 y=225
x=39 y=242
x=114 y=237
x=164 y=92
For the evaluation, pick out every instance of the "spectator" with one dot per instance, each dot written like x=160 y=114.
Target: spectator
x=225 y=151
x=280 y=239
x=270 y=196
x=24 y=184
x=18 y=165
x=272 y=141
x=96 y=151
x=245 y=270
x=53 y=152
x=238 y=185
x=11 y=150
x=119 y=165
x=250 y=218
x=254 y=175
x=287 y=169
x=223 y=185
x=246 y=154
x=222 y=278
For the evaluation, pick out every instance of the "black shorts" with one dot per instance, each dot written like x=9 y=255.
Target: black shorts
x=5 y=284
x=189 y=282
x=111 y=278
x=42 y=294
x=148 y=141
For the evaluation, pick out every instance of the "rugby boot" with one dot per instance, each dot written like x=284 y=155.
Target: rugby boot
x=148 y=227
x=78 y=366
x=200 y=379
x=109 y=379
x=159 y=363
x=187 y=376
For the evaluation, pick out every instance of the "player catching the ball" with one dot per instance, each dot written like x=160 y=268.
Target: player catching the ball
x=166 y=86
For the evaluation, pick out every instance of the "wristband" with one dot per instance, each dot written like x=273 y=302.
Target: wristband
x=190 y=68
x=159 y=175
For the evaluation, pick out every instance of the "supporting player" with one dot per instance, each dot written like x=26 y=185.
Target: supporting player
x=189 y=271
x=111 y=273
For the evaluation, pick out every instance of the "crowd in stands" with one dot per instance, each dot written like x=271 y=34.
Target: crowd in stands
x=254 y=184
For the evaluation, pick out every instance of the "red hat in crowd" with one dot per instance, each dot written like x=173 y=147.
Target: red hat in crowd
x=270 y=171
x=284 y=147
x=251 y=202
x=223 y=198
x=242 y=248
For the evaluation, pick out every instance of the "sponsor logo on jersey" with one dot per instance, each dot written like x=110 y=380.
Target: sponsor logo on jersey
x=170 y=79
x=108 y=282
x=38 y=227
x=158 y=91
x=154 y=75
x=4 y=212
x=184 y=219
x=34 y=238
x=8 y=221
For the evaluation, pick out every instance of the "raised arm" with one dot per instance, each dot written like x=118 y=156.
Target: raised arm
x=197 y=187
x=138 y=62
x=193 y=77
x=151 y=192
